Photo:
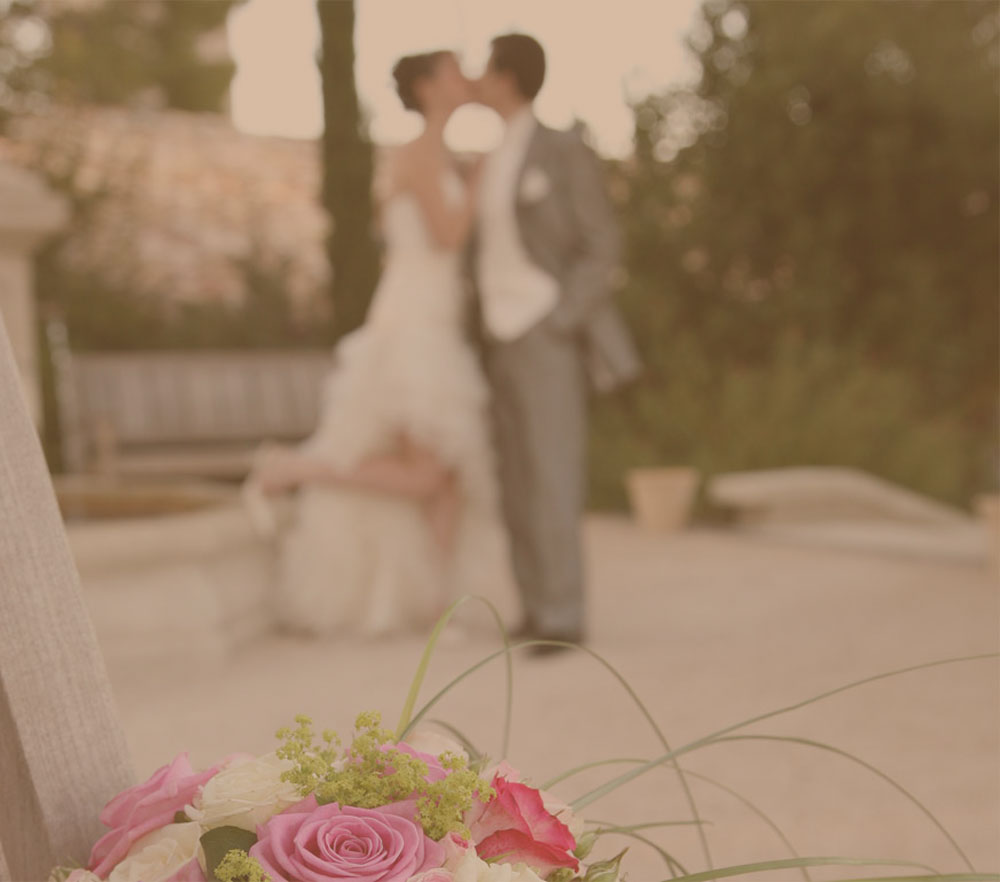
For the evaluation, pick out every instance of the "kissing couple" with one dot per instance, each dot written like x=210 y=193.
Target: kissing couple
x=431 y=434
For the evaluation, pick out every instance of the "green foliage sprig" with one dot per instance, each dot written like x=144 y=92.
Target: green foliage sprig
x=372 y=772
x=238 y=866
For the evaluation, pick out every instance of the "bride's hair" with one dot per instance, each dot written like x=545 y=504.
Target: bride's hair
x=409 y=70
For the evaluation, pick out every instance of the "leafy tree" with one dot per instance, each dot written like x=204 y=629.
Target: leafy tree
x=823 y=204
x=114 y=52
x=347 y=167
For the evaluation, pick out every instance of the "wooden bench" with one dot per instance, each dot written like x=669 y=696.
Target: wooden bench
x=197 y=413
x=62 y=750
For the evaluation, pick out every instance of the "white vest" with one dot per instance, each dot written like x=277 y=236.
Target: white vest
x=516 y=293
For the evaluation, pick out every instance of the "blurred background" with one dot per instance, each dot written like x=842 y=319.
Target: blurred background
x=809 y=196
x=808 y=192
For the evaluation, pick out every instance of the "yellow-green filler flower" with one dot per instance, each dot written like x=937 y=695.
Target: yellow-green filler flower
x=373 y=772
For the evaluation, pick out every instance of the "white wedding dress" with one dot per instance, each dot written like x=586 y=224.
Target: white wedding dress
x=365 y=562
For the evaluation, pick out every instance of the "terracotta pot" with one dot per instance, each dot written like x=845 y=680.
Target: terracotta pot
x=661 y=497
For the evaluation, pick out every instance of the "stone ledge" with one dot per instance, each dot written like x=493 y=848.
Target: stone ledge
x=825 y=493
x=957 y=544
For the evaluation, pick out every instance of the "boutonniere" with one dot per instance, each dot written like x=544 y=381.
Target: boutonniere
x=535 y=185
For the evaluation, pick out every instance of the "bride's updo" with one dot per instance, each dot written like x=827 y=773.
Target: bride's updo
x=409 y=70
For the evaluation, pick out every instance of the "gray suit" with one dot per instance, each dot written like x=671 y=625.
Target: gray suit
x=540 y=379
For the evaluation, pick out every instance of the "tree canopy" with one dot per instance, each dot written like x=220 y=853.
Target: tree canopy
x=812 y=234
x=158 y=53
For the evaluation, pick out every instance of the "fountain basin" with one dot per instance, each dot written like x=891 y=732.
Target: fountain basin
x=167 y=567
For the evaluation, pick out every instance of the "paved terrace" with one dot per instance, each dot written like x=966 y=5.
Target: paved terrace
x=710 y=628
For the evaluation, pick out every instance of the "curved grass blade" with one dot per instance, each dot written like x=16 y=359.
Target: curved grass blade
x=405 y=724
x=603 y=827
x=794 y=863
x=475 y=755
x=612 y=785
x=759 y=812
x=938 y=877
x=750 y=805
x=674 y=866
x=569 y=773
x=808 y=742
x=670 y=756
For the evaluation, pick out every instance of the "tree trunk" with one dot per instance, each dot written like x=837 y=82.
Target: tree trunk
x=348 y=165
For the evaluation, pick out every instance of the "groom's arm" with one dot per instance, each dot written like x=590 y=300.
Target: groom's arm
x=591 y=278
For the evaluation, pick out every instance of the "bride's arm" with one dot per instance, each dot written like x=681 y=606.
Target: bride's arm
x=449 y=222
x=412 y=471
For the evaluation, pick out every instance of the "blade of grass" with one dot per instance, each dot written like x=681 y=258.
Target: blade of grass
x=794 y=863
x=405 y=725
x=668 y=757
x=671 y=756
x=938 y=877
x=674 y=866
x=569 y=773
x=604 y=827
x=759 y=812
x=750 y=805
x=819 y=745
x=474 y=754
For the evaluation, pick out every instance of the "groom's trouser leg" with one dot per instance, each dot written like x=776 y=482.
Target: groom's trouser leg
x=540 y=406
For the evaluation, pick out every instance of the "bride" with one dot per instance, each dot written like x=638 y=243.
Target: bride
x=396 y=486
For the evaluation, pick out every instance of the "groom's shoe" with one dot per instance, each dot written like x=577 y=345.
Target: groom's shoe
x=520 y=633
x=526 y=632
x=561 y=643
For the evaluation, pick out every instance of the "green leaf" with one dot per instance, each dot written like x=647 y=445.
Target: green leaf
x=585 y=843
x=673 y=865
x=181 y=818
x=219 y=842
x=605 y=871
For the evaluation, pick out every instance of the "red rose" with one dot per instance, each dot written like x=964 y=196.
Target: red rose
x=515 y=827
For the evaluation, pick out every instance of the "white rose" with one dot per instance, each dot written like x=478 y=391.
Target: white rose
x=245 y=794
x=64 y=874
x=469 y=867
x=427 y=740
x=160 y=854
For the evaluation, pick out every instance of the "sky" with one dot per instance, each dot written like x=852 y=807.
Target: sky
x=600 y=53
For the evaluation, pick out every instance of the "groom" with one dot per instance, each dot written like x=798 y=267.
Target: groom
x=545 y=258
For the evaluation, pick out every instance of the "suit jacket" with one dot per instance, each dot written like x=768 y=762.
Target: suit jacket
x=568 y=229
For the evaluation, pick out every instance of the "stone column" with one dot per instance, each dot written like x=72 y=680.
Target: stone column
x=29 y=212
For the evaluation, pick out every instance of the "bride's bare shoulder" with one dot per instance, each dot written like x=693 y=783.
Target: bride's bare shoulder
x=394 y=171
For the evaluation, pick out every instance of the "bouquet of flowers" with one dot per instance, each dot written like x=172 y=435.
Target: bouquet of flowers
x=378 y=809
x=407 y=805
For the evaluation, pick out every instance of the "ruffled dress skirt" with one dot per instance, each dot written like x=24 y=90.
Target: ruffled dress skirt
x=364 y=562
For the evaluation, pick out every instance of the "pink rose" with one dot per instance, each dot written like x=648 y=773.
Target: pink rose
x=435 y=771
x=144 y=808
x=515 y=827
x=325 y=843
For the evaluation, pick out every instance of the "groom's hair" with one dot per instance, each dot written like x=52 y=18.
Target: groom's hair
x=524 y=58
